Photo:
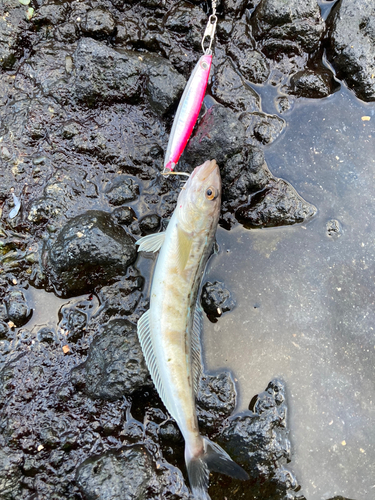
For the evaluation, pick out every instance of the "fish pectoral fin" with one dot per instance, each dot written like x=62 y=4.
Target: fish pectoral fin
x=151 y=242
x=196 y=350
x=184 y=242
x=145 y=339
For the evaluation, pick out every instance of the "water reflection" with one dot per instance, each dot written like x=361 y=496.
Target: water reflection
x=305 y=298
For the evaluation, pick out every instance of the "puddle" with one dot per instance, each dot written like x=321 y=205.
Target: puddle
x=306 y=298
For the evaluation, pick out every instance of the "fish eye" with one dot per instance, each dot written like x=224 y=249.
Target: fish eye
x=211 y=193
x=204 y=65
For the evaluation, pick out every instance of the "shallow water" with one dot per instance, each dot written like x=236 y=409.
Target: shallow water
x=305 y=299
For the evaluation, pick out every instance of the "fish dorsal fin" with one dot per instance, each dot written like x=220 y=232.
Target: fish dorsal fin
x=151 y=242
x=145 y=339
x=184 y=242
x=196 y=351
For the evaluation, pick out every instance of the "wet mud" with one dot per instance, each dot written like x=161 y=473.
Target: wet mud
x=88 y=91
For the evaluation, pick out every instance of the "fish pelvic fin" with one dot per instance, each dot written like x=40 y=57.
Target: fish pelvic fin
x=212 y=458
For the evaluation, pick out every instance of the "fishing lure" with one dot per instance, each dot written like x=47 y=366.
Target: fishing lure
x=191 y=100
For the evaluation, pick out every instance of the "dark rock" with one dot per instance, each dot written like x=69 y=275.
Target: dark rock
x=99 y=24
x=138 y=152
x=334 y=228
x=149 y=223
x=50 y=12
x=46 y=335
x=46 y=69
x=258 y=440
x=90 y=250
x=284 y=103
x=12 y=25
x=216 y=296
x=104 y=75
x=4 y=330
x=277 y=204
x=220 y=135
x=312 y=84
x=298 y=23
x=164 y=84
x=262 y=128
x=115 y=365
x=3 y=312
x=10 y=473
x=352 y=45
x=73 y=323
x=233 y=6
x=130 y=473
x=229 y=89
x=243 y=174
x=121 y=298
x=122 y=190
x=17 y=309
x=216 y=400
x=124 y=215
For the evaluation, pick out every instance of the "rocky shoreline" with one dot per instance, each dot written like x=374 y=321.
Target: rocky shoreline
x=87 y=96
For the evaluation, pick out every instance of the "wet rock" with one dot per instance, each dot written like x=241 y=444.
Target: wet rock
x=277 y=204
x=17 y=308
x=46 y=69
x=99 y=24
x=104 y=75
x=12 y=25
x=312 y=84
x=115 y=365
x=258 y=440
x=138 y=152
x=52 y=13
x=284 y=103
x=90 y=250
x=334 y=228
x=233 y=6
x=241 y=48
x=10 y=473
x=73 y=323
x=352 y=45
x=164 y=84
x=4 y=330
x=297 y=23
x=122 y=190
x=262 y=128
x=220 y=135
x=243 y=174
x=121 y=298
x=124 y=215
x=3 y=312
x=216 y=299
x=216 y=400
x=149 y=224
x=229 y=89
x=131 y=473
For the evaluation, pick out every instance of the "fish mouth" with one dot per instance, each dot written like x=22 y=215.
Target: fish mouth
x=205 y=170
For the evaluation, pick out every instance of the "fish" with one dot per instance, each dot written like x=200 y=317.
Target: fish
x=169 y=332
x=187 y=111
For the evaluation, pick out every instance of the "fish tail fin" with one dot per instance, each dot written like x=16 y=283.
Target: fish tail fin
x=212 y=458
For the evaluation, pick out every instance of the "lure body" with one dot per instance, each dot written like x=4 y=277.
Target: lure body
x=188 y=111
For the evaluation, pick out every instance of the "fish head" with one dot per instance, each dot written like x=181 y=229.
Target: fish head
x=200 y=200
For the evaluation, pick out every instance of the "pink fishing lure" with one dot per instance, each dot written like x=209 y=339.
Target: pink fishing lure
x=188 y=111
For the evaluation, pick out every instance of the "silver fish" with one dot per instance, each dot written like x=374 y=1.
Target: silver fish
x=169 y=332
